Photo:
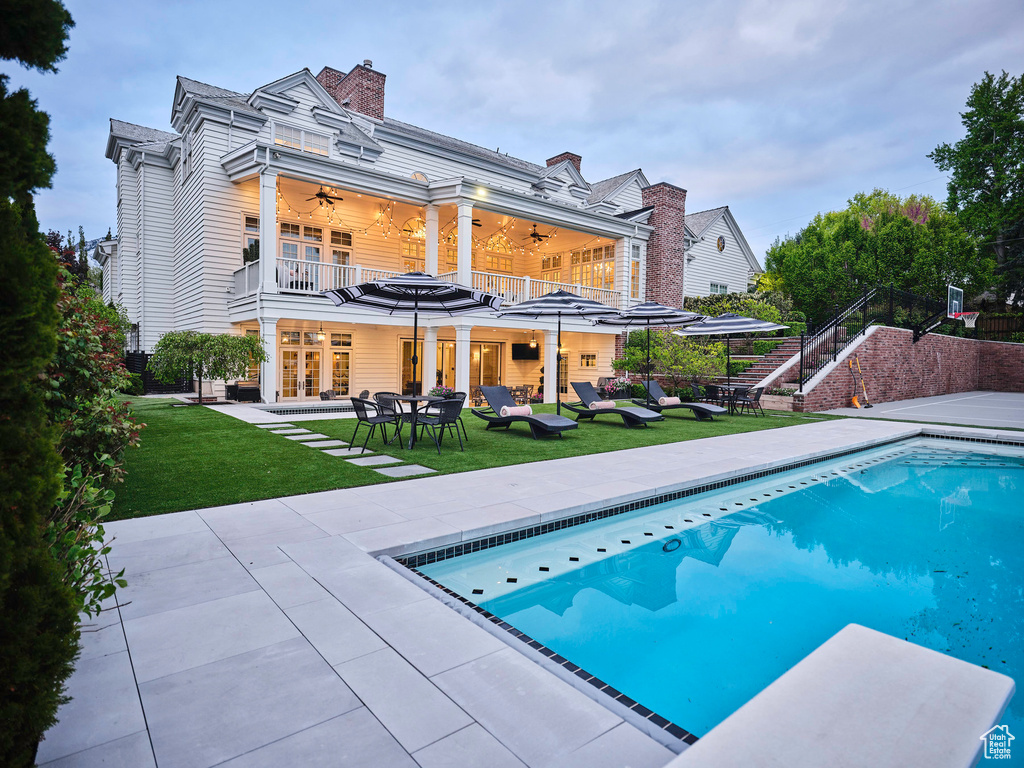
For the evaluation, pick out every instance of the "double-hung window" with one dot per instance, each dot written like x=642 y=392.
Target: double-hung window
x=634 y=272
x=719 y=288
x=305 y=141
x=302 y=251
x=341 y=248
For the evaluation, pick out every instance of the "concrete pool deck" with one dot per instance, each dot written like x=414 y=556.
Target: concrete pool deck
x=268 y=633
x=999 y=410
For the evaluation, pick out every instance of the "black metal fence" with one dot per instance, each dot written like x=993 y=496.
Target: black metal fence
x=882 y=305
x=136 y=362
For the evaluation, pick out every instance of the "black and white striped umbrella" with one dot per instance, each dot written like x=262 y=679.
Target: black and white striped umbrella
x=644 y=316
x=412 y=293
x=727 y=325
x=556 y=304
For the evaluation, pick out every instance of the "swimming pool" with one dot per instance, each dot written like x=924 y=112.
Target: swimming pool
x=693 y=606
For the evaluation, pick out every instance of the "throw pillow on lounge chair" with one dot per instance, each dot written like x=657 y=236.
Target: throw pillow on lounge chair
x=598 y=405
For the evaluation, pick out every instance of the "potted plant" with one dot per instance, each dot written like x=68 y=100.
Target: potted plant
x=252 y=253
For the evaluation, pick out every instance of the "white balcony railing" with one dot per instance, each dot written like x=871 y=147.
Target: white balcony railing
x=311 y=277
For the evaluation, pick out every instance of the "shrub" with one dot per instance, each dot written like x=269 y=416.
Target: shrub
x=93 y=431
x=38 y=632
x=764 y=346
x=445 y=392
x=134 y=385
x=739 y=366
x=782 y=391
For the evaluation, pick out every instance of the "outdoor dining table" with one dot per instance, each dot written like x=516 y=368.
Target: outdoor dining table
x=414 y=401
x=732 y=390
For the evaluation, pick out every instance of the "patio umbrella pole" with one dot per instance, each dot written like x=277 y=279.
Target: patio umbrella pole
x=648 y=393
x=415 y=331
x=728 y=373
x=558 y=369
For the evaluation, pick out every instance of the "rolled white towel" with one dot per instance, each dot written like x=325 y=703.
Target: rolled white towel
x=669 y=401
x=598 y=405
x=516 y=410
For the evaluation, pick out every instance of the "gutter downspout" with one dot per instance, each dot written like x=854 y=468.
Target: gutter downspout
x=142 y=251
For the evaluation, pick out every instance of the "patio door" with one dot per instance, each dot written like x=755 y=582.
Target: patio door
x=301 y=361
x=485 y=364
x=407 y=384
x=446 y=364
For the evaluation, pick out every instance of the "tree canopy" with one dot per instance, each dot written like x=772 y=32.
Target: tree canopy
x=914 y=244
x=986 y=185
x=207 y=355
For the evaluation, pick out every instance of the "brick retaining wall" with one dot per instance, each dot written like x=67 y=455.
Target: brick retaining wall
x=897 y=369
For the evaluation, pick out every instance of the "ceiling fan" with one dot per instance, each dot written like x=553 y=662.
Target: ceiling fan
x=323 y=197
x=476 y=223
x=537 y=236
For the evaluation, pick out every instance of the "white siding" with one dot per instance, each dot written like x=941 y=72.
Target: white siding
x=729 y=267
x=630 y=198
x=157 y=237
x=127 y=278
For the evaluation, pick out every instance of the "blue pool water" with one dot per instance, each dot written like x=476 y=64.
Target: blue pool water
x=923 y=540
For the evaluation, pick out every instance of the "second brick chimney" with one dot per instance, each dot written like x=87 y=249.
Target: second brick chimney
x=665 y=258
x=576 y=159
x=361 y=90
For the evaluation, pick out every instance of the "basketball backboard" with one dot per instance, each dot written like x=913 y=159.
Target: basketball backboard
x=954 y=301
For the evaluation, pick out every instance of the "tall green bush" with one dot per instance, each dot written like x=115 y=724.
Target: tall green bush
x=38 y=621
x=93 y=430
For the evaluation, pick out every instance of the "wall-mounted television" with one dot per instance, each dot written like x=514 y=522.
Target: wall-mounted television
x=525 y=352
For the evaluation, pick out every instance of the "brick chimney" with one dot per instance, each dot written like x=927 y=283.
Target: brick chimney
x=576 y=159
x=361 y=90
x=665 y=259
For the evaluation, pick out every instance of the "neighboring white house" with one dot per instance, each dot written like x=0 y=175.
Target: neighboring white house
x=332 y=192
x=718 y=258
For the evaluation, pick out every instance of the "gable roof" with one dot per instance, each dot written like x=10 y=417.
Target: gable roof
x=422 y=134
x=699 y=222
x=124 y=134
x=608 y=188
x=303 y=77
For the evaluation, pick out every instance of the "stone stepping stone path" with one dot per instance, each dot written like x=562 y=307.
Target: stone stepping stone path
x=326 y=444
x=346 y=451
x=291 y=432
x=273 y=426
x=370 y=461
x=405 y=471
x=308 y=436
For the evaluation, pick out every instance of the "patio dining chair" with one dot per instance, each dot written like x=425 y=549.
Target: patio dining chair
x=388 y=405
x=445 y=417
x=751 y=401
x=370 y=414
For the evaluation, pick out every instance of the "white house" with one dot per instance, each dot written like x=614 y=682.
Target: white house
x=310 y=178
x=718 y=258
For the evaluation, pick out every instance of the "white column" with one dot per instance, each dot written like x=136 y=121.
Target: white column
x=430 y=257
x=429 y=375
x=268 y=370
x=550 y=365
x=462 y=357
x=268 y=232
x=465 y=245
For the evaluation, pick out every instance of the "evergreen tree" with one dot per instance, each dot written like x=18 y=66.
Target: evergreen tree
x=38 y=622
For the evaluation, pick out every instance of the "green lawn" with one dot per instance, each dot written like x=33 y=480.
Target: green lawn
x=192 y=457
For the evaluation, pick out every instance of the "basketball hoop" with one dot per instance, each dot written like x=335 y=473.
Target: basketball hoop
x=969 y=318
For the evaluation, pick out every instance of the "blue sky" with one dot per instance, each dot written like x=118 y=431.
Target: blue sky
x=779 y=109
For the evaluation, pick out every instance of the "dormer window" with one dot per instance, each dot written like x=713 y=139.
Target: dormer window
x=304 y=141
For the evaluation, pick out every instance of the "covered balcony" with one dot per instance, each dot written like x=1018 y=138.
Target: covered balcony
x=325 y=238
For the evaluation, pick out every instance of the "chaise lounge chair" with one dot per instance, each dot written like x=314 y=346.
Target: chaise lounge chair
x=631 y=415
x=540 y=423
x=702 y=411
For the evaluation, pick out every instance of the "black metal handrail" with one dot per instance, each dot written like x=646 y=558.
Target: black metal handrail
x=883 y=304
